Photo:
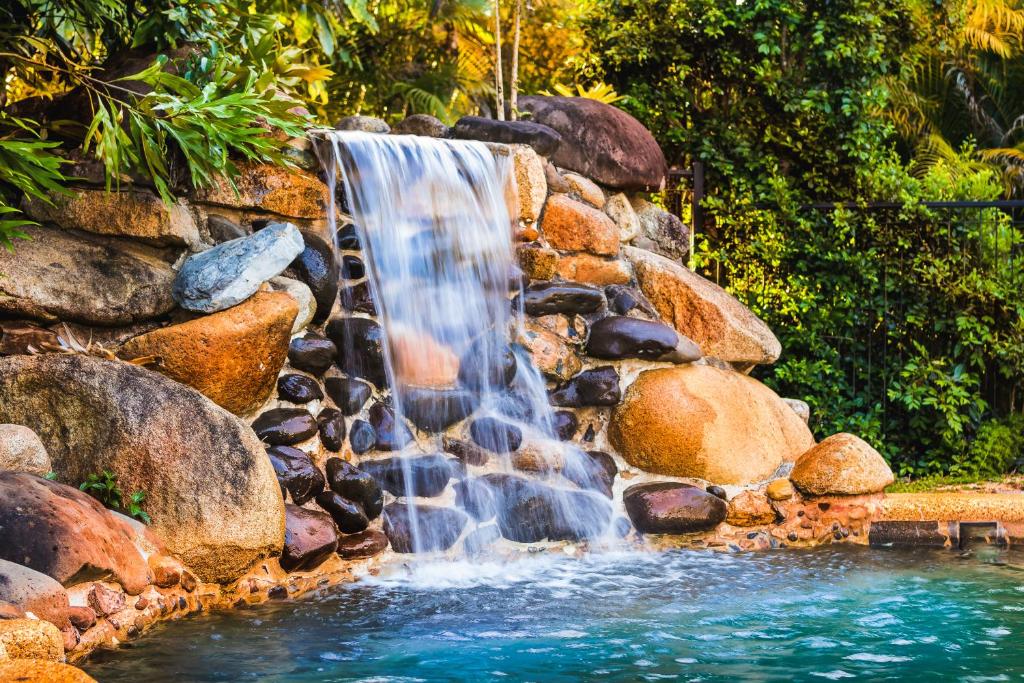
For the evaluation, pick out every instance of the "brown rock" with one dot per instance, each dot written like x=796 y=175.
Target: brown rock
x=138 y=214
x=17 y=337
x=105 y=601
x=22 y=451
x=668 y=507
x=419 y=360
x=537 y=263
x=364 y=544
x=842 y=464
x=699 y=421
x=31 y=639
x=210 y=488
x=574 y=226
x=233 y=356
x=32 y=591
x=593 y=270
x=286 y=192
x=550 y=352
x=703 y=311
x=310 y=537
x=166 y=571
x=533 y=458
x=585 y=188
x=750 y=508
x=9 y=611
x=83 y=618
x=41 y=671
x=188 y=581
x=780 y=489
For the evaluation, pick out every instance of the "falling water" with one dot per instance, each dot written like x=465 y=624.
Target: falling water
x=433 y=220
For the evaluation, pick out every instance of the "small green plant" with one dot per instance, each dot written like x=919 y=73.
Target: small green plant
x=103 y=487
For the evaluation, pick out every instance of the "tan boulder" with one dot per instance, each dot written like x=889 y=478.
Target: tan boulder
x=232 y=356
x=537 y=263
x=552 y=355
x=585 y=188
x=842 y=464
x=41 y=671
x=780 y=489
x=703 y=422
x=139 y=214
x=722 y=326
x=750 y=508
x=593 y=270
x=267 y=187
x=621 y=211
x=210 y=489
x=531 y=186
x=31 y=639
x=574 y=226
x=22 y=451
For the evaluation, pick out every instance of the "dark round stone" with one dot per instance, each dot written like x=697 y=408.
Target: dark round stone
x=348 y=515
x=717 y=491
x=593 y=470
x=438 y=528
x=546 y=298
x=332 y=428
x=360 y=343
x=529 y=511
x=425 y=475
x=309 y=539
x=364 y=544
x=488 y=364
x=565 y=424
x=352 y=267
x=435 y=410
x=361 y=437
x=496 y=435
x=617 y=337
x=476 y=498
x=357 y=485
x=392 y=433
x=672 y=508
x=312 y=353
x=317 y=267
x=298 y=389
x=357 y=298
x=284 y=426
x=296 y=472
x=348 y=237
x=596 y=387
x=349 y=394
x=623 y=299
x=622 y=527
x=543 y=139
x=467 y=453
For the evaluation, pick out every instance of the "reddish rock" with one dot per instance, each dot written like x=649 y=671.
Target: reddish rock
x=286 y=192
x=82 y=618
x=31 y=591
x=18 y=337
x=421 y=361
x=672 y=508
x=188 y=581
x=750 y=508
x=574 y=226
x=364 y=544
x=593 y=270
x=309 y=539
x=166 y=572
x=105 y=601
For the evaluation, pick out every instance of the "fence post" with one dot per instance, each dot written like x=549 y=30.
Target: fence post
x=696 y=210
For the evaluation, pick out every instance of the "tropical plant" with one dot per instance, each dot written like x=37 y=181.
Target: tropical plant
x=104 y=488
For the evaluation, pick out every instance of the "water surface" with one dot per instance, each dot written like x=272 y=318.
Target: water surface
x=831 y=613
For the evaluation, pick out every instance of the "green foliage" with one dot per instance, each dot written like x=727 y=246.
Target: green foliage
x=997 y=448
x=103 y=487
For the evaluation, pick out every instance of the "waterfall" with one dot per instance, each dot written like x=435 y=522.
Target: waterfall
x=436 y=235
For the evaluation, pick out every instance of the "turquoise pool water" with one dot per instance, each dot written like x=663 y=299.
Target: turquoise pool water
x=840 y=613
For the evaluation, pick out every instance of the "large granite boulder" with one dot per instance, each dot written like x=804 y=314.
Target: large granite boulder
x=22 y=451
x=698 y=308
x=668 y=507
x=41 y=671
x=703 y=422
x=842 y=464
x=35 y=592
x=59 y=275
x=231 y=272
x=232 y=356
x=30 y=639
x=210 y=488
x=600 y=142
x=65 y=534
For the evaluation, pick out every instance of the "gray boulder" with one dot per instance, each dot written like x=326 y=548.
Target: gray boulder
x=365 y=124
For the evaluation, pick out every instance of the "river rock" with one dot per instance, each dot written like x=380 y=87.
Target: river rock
x=439 y=528
x=352 y=267
x=495 y=435
x=65 y=534
x=594 y=270
x=780 y=489
x=317 y=267
x=303 y=298
x=296 y=472
x=703 y=311
x=624 y=300
x=565 y=424
x=419 y=360
x=347 y=237
x=357 y=485
x=750 y=508
x=331 y=424
x=842 y=464
x=350 y=395
x=232 y=356
x=660 y=231
x=584 y=188
x=617 y=337
x=421 y=124
x=575 y=226
x=550 y=352
x=312 y=353
x=529 y=512
x=298 y=389
x=595 y=387
x=546 y=298
x=160 y=437
x=105 y=602
x=361 y=437
x=703 y=422
x=476 y=498
x=672 y=508
x=364 y=544
x=309 y=539
x=349 y=515
x=223 y=229
x=31 y=639
x=135 y=213
x=363 y=124
x=284 y=426
x=489 y=363
x=35 y=592
x=542 y=139
x=22 y=451
x=392 y=433
x=467 y=453
x=61 y=275
x=429 y=474
x=360 y=343
x=621 y=212
x=269 y=188
x=357 y=298
x=600 y=142
x=435 y=410
x=594 y=470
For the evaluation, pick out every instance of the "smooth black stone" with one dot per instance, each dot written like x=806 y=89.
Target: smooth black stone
x=357 y=298
x=223 y=229
x=434 y=410
x=717 y=491
x=543 y=139
x=349 y=481
x=350 y=395
x=477 y=542
x=495 y=435
x=352 y=267
x=592 y=470
x=361 y=437
x=489 y=363
x=424 y=475
x=360 y=343
x=565 y=424
x=546 y=298
x=348 y=515
x=438 y=527
x=392 y=434
x=476 y=498
x=589 y=435
x=309 y=539
x=312 y=353
x=296 y=472
x=467 y=453
x=318 y=268
x=284 y=426
x=617 y=337
x=667 y=507
x=332 y=428
x=529 y=512
x=622 y=299
x=298 y=389
x=514 y=405
x=596 y=387
x=348 y=238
